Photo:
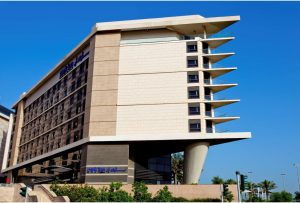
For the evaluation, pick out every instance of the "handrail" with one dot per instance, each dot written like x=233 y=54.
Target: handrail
x=216 y=114
x=212 y=51
x=216 y=130
x=176 y=38
x=214 y=97
x=213 y=81
x=214 y=65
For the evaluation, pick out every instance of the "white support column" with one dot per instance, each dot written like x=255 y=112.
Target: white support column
x=194 y=158
x=7 y=143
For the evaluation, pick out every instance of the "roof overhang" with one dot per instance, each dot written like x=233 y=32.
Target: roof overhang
x=178 y=139
x=186 y=25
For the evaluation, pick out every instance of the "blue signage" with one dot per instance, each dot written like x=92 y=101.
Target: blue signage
x=71 y=65
x=103 y=170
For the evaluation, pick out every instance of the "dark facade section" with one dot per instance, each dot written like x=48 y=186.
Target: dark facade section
x=111 y=158
x=155 y=170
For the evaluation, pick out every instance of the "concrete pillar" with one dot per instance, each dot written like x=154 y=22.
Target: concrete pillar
x=194 y=158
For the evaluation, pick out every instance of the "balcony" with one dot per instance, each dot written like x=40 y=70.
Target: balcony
x=218 y=101
x=216 y=70
x=218 y=117
x=214 y=97
x=213 y=81
x=216 y=130
x=208 y=38
x=216 y=114
x=217 y=85
x=215 y=55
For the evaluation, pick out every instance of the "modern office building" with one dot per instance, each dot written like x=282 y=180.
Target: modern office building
x=4 y=121
x=125 y=98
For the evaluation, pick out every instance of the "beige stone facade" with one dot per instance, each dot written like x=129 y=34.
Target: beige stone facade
x=125 y=84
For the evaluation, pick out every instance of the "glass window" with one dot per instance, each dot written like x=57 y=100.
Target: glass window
x=195 y=127
x=152 y=167
x=194 y=110
x=193 y=78
x=161 y=167
x=192 y=63
x=194 y=94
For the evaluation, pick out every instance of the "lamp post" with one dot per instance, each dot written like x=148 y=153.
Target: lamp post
x=283 y=180
x=298 y=175
x=250 y=180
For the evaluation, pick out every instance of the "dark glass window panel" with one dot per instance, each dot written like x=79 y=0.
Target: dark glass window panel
x=160 y=160
x=194 y=94
x=160 y=167
x=195 y=127
x=152 y=160
x=192 y=48
x=167 y=168
x=192 y=63
x=193 y=78
x=194 y=110
x=152 y=167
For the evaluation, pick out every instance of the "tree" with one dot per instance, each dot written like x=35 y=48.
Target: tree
x=297 y=196
x=282 y=196
x=229 y=196
x=254 y=198
x=177 y=166
x=140 y=192
x=163 y=195
x=267 y=185
x=230 y=181
x=217 y=180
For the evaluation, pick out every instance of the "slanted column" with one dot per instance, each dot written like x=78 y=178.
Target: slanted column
x=194 y=158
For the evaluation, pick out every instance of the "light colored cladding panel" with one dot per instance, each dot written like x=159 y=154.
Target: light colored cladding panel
x=108 y=82
x=152 y=88
x=108 y=97
x=102 y=129
x=151 y=58
x=103 y=113
x=106 y=54
x=152 y=119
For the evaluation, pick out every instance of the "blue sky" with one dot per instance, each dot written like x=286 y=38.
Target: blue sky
x=35 y=36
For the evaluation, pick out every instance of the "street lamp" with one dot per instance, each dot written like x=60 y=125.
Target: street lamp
x=298 y=175
x=283 y=180
x=250 y=180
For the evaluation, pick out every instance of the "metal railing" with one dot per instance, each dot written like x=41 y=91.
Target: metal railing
x=176 y=38
x=6 y=185
x=214 y=65
x=216 y=130
x=214 y=97
x=216 y=114
x=212 y=51
x=213 y=81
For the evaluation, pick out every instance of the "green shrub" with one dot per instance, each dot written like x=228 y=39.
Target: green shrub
x=140 y=192
x=254 y=198
x=282 y=196
x=205 y=200
x=163 y=195
x=179 y=199
x=87 y=193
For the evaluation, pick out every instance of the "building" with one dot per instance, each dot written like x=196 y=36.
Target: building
x=125 y=98
x=4 y=121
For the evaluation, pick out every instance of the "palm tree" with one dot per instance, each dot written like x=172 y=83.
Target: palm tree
x=217 y=180
x=267 y=185
x=177 y=166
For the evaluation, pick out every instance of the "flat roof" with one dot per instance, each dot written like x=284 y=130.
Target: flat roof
x=185 y=25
